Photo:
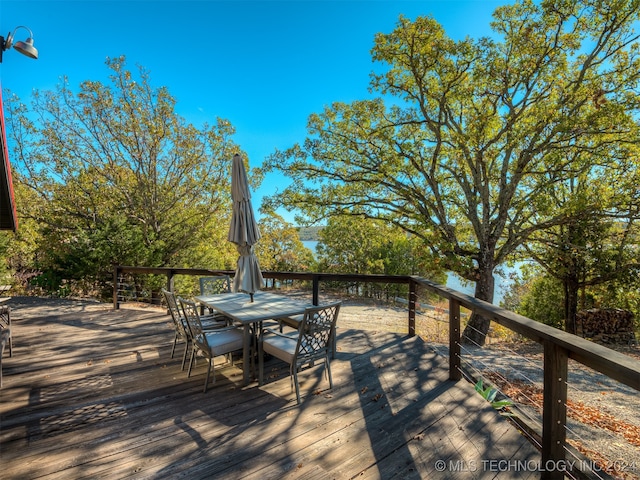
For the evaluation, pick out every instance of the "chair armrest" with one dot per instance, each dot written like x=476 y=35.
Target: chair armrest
x=5 y=336
x=223 y=329
x=275 y=332
x=212 y=315
x=293 y=321
x=216 y=317
x=270 y=323
x=208 y=327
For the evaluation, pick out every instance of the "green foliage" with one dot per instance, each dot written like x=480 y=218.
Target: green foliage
x=544 y=301
x=597 y=244
x=280 y=248
x=359 y=245
x=469 y=138
x=366 y=246
x=5 y=245
x=23 y=248
x=489 y=394
x=110 y=174
x=540 y=296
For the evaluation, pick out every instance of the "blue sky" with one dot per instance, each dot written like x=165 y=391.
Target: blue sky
x=263 y=65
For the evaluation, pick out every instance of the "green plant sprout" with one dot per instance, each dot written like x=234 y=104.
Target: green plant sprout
x=489 y=394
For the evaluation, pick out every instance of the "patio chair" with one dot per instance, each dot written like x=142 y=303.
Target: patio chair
x=5 y=324
x=215 y=284
x=211 y=343
x=5 y=334
x=182 y=333
x=294 y=322
x=302 y=348
x=4 y=337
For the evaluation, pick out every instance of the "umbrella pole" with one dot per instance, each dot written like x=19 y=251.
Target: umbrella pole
x=251 y=297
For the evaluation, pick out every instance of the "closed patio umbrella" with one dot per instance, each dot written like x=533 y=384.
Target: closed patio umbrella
x=244 y=232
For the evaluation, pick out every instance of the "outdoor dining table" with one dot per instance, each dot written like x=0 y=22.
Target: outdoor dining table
x=251 y=314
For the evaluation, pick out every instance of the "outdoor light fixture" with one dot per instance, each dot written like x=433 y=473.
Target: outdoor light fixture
x=25 y=48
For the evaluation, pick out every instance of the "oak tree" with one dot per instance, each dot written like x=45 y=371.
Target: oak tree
x=117 y=176
x=467 y=138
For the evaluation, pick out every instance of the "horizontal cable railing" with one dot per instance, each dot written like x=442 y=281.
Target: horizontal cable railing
x=558 y=346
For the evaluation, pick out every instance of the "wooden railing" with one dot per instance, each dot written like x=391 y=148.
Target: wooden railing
x=559 y=346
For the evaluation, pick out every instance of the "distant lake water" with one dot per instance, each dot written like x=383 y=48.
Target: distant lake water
x=311 y=245
x=453 y=280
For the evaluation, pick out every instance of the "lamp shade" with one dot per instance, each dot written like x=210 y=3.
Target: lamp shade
x=27 y=48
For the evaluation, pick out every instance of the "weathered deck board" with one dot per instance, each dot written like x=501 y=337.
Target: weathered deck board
x=93 y=394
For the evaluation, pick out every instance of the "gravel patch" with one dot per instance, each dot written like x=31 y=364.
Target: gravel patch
x=604 y=415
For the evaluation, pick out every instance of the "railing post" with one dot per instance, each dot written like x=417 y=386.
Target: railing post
x=316 y=289
x=455 y=370
x=116 y=270
x=413 y=294
x=170 y=282
x=554 y=411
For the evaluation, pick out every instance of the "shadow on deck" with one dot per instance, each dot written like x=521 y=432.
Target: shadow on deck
x=92 y=392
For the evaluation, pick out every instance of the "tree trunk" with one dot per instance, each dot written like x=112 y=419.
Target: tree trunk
x=575 y=243
x=571 y=290
x=475 y=333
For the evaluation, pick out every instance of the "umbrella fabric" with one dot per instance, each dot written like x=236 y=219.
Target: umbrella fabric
x=244 y=231
x=248 y=276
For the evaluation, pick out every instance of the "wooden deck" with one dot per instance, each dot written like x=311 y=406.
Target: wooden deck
x=93 y=393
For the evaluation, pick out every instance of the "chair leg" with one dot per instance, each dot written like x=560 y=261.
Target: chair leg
x=333 y=343
x=260 y=363
x=206 y=380
x=328 y=365
x=10 y=339
x=4 y=339
x=254 y=349
x=184 y=355
x=193 y=352
x=175 y=340
x=295 y=379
